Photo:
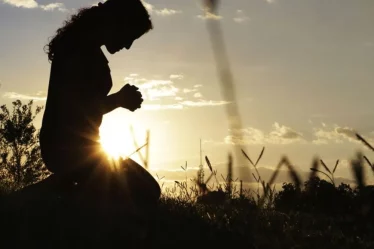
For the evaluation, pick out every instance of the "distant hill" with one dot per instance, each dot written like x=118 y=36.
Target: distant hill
x=245 y=175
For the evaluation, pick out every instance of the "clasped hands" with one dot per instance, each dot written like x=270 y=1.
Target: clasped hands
x=129 y=97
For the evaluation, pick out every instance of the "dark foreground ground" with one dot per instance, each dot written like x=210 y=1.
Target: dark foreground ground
x=319 y=216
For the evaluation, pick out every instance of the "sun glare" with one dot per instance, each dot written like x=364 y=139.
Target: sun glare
x=116 y=138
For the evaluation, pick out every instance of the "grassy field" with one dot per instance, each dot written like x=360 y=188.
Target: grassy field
x=317 y=213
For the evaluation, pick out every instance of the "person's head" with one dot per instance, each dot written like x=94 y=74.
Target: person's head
x=123 y=22
x=114 y=23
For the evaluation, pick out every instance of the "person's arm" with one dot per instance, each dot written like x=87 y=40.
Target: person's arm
x=128 y=97
x=110 y=103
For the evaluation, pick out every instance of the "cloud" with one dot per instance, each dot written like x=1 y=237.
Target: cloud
x=284 y=132
x=187 y=90
x=153 y=89
x=32 y=4
x=54 y=6
x=336 y=135
x=167 y=12
x=40 y=96
x=202 y=103
x=209 y=16
x=170 y=95
x=160 y=12
x=29 y=4
x=198 y=95
x=184 y=105
x=176 y=77
x=240 y=17
x=280 y=134
x=149 y=84
x=270 y=1
x=156 y=107
x=156 y=89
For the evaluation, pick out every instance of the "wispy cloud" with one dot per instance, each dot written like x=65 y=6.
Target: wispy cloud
x=156 y=107
x=188 y=90
x=241 y=17
x=198 y=95
x=279 y=134
x=160 y=12
x=209 y=16
x=184 y=105
x=156 y=89
x=167 y=12
x=270 y=1
x=336 y=134
x=54 y=6
x=163 y=94
x=176 y=77
x=29 y=4
x=40 y=96
x=202 y=103
x=32 y=4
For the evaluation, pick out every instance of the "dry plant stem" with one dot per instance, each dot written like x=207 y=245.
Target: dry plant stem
x=359 y=137
x=336 y=166
x=136 y=145
x=330 y=178
x=227 y=83
x=254 y=165
x=314 y=168
x=325 y=166
x=136 y=151
x=146 y=161
x=229 y=173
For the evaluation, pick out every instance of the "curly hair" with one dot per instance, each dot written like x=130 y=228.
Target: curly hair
x=74 y=30
x=71 y=28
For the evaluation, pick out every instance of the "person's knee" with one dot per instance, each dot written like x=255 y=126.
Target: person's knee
x=140 y=181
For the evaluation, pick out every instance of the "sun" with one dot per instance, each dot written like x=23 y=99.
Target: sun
x=116 y=137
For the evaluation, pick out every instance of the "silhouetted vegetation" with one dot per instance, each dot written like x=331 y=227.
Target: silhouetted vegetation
x=20 y=163
x=193 y=213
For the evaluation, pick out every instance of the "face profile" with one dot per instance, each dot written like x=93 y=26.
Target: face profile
x=122 y=29
x=118 y=40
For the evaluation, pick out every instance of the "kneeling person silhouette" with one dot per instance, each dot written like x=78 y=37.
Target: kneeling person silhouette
x=79 y=85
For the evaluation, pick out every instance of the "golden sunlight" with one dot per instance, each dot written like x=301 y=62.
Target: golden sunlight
x=116 y=137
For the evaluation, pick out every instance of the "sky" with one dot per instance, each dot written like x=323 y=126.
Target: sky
x=303 y=73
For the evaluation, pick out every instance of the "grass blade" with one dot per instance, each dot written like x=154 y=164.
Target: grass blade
x=229 y=175
x=260 y=156
x=249 y=159
x=209 y=164
x=368 y=161
x=293 y=173
x=319 y=171
x=358 y=171
x=255 y=177
x=364 y=141
x=325 y=166
x=370 y=164
x=209 y=178
x=276 y=171
x=336 y=165
x=314 y=168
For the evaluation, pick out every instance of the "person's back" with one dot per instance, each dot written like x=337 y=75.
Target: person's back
x=70 y=128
